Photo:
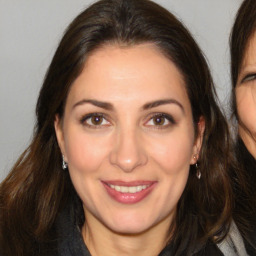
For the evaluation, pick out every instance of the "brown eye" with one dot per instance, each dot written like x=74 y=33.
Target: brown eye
x=96 y=120
x=158 y=120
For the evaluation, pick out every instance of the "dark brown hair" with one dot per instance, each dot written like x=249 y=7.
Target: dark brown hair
x=36 y=189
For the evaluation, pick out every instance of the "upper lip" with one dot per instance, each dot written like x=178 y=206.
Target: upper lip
x=128 y=183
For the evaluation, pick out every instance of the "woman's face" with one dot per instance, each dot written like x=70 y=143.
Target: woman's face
x=246 y=97
x=128 y=137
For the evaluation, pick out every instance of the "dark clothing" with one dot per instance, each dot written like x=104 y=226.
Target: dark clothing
x=244 y=203
x=247 y=161
x=71 y=241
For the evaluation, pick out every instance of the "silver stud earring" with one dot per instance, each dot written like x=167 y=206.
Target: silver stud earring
x=64 y=164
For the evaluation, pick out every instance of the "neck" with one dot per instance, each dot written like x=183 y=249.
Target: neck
x=101 y=241
x=249 y=140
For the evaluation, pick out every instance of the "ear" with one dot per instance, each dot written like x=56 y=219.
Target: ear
x=198 y=140
x=59 y=134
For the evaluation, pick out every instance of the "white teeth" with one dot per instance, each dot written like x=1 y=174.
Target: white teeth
x=125 y=189
x=118 y=188
x=132 y=190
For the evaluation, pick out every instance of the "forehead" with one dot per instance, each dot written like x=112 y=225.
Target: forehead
x=126 y=74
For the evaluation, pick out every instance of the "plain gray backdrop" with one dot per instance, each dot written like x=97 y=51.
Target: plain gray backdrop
x=29 y=34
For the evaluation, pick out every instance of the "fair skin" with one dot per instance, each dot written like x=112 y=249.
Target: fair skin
x=128 y=126
x=246 y=97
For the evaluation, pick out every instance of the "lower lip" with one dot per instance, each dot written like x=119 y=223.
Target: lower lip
x=129 y=198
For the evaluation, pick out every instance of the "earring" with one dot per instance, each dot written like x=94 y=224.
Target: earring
x=198 y=172
x=64 y=164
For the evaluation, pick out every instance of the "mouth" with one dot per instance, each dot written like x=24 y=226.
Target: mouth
x=132 y=190
x=129 y=192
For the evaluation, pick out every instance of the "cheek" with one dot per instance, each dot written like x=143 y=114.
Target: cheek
x=174 y=153
x=172 y=160
x=246 y=107
x=85 y=153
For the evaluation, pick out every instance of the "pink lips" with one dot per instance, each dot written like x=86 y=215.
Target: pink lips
x=128 y=192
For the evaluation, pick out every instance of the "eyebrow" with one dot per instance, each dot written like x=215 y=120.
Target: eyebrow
x=101 y=104
x=157 y=103
x=149 y=105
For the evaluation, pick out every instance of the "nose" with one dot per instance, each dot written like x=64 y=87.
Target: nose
x=128 y=151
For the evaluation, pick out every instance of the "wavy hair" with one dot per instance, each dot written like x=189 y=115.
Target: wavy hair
x=36 y=189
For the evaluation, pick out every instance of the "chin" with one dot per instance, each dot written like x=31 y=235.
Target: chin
x=129 y=230
x=130 y=225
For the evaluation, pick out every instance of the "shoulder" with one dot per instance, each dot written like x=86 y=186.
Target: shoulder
x=209 y=249
x=235 y=244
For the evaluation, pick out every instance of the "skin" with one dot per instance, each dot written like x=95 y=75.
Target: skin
x=246 y=97
x=128 y=144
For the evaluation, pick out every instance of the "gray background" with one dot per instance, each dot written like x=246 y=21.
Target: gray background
x=29 y=34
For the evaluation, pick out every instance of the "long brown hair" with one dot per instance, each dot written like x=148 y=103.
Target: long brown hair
x=35 y=190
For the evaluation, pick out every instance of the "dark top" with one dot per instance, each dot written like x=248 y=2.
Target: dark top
x=71 y=242
x=243 y=204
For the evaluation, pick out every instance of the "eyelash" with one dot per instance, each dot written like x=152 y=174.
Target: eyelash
x=249 y=77
x=88 y=118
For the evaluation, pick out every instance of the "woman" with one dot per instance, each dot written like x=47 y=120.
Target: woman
x=130 y=152
x=243 y=70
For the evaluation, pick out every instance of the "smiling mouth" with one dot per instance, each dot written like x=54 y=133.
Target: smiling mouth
x=128 y=189
x=129 y=192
